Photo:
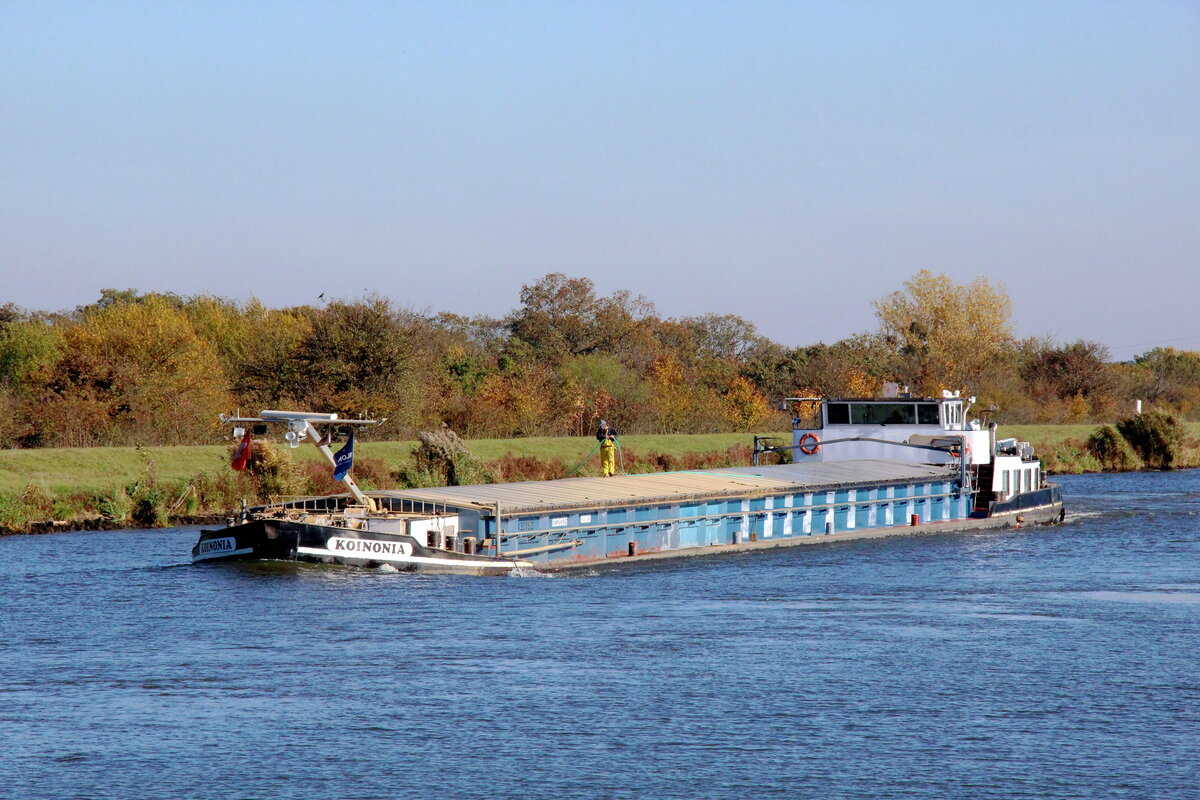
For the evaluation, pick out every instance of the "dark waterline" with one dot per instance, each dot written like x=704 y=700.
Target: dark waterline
x=1047 y=662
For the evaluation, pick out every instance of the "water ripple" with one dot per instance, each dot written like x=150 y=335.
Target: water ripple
x=1046 y=662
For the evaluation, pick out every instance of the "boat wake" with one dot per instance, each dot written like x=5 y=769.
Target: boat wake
x=1080 y=516
x=529 y=572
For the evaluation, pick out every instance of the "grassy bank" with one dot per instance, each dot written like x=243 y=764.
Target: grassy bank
x=95 y=469
x=1063 y=448
x=155 y=484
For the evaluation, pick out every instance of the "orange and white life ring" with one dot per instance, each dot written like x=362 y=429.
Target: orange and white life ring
x=964 y=451
x=809 y=443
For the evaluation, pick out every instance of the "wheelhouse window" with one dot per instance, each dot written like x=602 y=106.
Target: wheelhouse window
x=838 y=413
x=883 y=414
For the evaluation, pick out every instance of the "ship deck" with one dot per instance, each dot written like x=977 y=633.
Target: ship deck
x=667 y=487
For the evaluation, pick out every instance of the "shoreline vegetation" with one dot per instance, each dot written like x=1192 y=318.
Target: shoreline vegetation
x=110 y=408
x=93 y=488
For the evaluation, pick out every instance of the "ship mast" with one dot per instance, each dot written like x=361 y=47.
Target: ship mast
x=303 y=425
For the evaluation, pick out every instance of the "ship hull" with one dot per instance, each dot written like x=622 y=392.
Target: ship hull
x=286 y=540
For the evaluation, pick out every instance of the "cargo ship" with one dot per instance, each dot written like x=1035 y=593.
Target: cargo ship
x=859 y=468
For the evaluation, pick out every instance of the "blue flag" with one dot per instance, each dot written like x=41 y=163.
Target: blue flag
x=343 y=460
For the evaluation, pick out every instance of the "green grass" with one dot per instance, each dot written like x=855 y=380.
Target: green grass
x=1047 y=434
x=1054 y=435
x=89 y=469
x=92 y=469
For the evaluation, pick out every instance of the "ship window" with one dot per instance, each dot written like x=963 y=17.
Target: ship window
x=883 y=414
x=838 y=413
x=1006 y=483
x=927 y=414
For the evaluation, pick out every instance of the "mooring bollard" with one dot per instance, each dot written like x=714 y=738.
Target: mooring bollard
x=828 y=527
x=633 y=548
x=468 y=545
x=914 y=520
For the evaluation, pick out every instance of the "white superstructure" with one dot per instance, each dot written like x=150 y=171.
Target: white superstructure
x=914 y=430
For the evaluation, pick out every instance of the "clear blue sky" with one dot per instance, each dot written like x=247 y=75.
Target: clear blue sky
x=787 y=162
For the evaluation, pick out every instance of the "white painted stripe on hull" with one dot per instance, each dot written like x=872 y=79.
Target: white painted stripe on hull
x=404 y=559
x=223 y=554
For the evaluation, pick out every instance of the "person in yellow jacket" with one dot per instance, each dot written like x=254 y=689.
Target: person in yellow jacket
x=608 y=448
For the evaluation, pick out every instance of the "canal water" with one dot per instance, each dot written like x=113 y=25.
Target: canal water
x=1058 y=662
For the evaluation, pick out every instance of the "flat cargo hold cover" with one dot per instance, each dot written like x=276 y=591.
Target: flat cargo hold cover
x=666 y=487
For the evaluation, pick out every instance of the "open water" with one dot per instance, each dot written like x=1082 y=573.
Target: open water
x=1058 y=662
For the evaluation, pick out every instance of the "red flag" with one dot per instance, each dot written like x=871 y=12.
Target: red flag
x=242 y=454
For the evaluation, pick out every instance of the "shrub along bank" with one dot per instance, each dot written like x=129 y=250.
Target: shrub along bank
x=1153 y=440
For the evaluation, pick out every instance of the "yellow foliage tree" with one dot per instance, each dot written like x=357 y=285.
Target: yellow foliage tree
x=514 y=404
x=143 y=362
x=672 y=398
x=945 y=335
x=743 y=406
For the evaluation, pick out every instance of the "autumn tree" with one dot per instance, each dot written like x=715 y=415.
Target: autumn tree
x=1079 y=369
x=516 y=403
x=224 y=324
x=134 y=372
x=853 y=367
x=604 y=388
x=561 y=317
x=774 y=369
x=743 y=408
x=29 y=348
x=355 y=356
x=723 y=336
x=674 y=402
x=268 y=369
x=943 y=334
x=1169 y=376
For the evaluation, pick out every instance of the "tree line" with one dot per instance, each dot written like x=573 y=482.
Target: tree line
x=157 y=368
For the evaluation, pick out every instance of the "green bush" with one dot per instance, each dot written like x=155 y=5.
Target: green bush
x=115 y=505
x=442 y=459
x=149 y=502
x=38 y=504
x=1112 y=450
x=1156 y=437
x=11 y=518
x=34 y=504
